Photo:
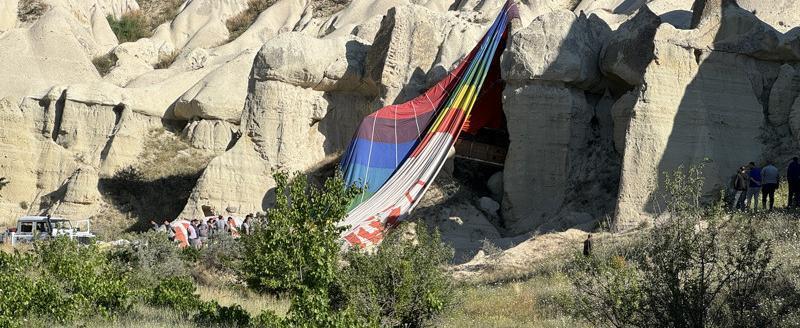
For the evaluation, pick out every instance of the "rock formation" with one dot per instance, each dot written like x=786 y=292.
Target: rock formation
x=600 y=97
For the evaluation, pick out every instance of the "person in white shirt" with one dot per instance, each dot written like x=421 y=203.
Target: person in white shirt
x=769 y=183
x=192 y=235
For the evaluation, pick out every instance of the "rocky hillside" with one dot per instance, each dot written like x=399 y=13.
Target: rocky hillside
x=600 y=96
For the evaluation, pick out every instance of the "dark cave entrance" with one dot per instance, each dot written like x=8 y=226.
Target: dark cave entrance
x=482 y=146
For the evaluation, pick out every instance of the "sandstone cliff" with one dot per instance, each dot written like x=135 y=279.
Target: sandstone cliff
x=600 y=97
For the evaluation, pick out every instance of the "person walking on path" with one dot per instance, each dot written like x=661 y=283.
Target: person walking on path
x=793 y=179
x=754 y=186
x=739 y=188
x=769 y=183
x=587 y=246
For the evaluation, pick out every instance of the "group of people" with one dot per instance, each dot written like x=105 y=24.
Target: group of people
x=751 y=181
x=199 y=231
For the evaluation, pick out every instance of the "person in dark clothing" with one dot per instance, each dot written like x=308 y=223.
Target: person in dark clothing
x=793 y=179
x=48 y=225
x=740 y=184
x=770 y=180
x=587 y=246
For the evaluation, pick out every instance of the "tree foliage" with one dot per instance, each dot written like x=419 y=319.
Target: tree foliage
x=698 y=268
x=298 y=251
x=402 y=283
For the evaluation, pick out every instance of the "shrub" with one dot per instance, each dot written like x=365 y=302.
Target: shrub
x=31 y=10
x=130 y=27
x=176 y=293
x=3 y=182
x=166 y=60
x=104 y=63
x=402 y=283
x=298 y=250
x=149 y=256
x=212 y=314
x=60 y=280
x=695 y=269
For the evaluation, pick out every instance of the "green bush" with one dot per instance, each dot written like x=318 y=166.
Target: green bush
x=177 y=293
x=85 y=274
x=149 y=256
x=130 y=27
x=698 y=268
x=401 y=284
x=212 y=314
x=59 y=281
x=298 y=251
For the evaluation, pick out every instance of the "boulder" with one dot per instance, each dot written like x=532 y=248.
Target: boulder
x=213 y=135
x=696 y=105
x=630 y=48
x=416 y=47
x=495 y=185
x=529 y=55
x=724 y=26
x=783 y=94
x=547 y=127
x=488 y=205
x=220 y=94
x=318 y=64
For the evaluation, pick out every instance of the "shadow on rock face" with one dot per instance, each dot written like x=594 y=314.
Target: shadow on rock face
x=145 y=199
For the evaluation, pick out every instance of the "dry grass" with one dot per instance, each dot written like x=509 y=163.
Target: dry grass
x=239 y=23
x=166 y=154
x=159 y=11
x=30 y=10
x=252 y=302
x=166 y=60
x=537 y=302
x=104 y=63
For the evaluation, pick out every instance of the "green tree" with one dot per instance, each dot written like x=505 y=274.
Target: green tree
x=696 y=268
x=402 y=283
x=298 y=251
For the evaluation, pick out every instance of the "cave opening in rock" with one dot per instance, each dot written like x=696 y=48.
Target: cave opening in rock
x=483 y=143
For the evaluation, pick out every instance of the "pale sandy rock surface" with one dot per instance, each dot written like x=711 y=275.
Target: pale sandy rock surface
x=601 y=96
x=576 y=40
x=200 y=23
x=693 y=108
x=8 y=15
x=56 y=49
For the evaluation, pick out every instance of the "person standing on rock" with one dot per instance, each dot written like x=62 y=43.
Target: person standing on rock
x=769 y=183
x=754 y=186
x=739 y=188
x=587 y=246
x=793 y=179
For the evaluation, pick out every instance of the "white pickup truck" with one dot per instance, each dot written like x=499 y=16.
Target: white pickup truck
x=30 y=228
